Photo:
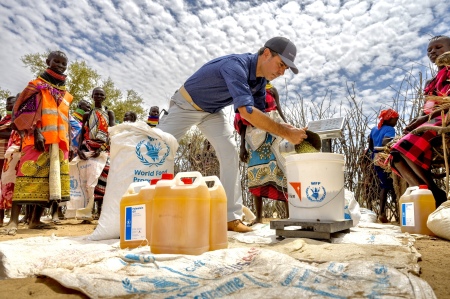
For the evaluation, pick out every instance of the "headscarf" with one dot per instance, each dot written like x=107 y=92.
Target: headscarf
x=386 y=115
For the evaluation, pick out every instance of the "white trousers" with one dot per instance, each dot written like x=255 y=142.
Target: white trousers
x=216 y=128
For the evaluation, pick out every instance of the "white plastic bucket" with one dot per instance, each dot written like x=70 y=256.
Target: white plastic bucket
x=315 y=184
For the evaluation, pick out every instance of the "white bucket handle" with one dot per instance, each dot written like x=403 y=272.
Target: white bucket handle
x=341 y=190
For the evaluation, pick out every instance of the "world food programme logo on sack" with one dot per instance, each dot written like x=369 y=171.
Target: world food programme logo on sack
x=315 y=192
x=73 y=183
x=152 y=152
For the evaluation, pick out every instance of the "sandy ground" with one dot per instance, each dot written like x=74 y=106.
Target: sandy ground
x=435 y=265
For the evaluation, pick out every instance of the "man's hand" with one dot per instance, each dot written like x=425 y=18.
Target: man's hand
x=264 y=122
x=295 y=135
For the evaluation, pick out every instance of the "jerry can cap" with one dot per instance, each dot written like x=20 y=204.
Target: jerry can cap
x=167 y=176
x=187 y=181
x=423 y=186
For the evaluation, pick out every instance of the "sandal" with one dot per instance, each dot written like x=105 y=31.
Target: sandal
x=9 y=231
x=41 y=226
x=238 y=226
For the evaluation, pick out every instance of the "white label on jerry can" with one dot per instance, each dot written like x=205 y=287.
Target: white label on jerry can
x=135 y=223
x=407 y=214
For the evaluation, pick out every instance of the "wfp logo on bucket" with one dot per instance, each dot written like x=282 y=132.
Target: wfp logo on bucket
x=315 y=192
x=152 y=151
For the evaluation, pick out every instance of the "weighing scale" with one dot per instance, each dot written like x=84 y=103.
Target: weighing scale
x=312 y=229
x=316 y=229
x=327 y=129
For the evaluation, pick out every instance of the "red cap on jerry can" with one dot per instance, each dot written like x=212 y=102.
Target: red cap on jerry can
x=423 y=187
x=187 y=181
x=167 y=176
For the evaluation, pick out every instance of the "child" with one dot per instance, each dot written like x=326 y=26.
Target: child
x=130 y=116
x=379 y=136
x=272 y=185
x=41 y=115
x=153 y=116
x=411 y=156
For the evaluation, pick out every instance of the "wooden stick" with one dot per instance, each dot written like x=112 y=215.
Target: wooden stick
x=444 y=148
x=54 y=176
x=439 y=130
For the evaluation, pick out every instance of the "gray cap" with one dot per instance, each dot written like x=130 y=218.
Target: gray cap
x=286 y=49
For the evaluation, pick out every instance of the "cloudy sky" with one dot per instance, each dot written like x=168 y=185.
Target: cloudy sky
x=153 y=46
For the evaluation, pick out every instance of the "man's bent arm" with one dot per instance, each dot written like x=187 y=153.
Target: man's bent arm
x=263 y=122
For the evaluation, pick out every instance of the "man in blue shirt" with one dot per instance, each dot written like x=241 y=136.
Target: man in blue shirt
x=238 y=79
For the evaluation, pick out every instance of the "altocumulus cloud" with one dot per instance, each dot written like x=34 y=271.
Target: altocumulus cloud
x=154 y=46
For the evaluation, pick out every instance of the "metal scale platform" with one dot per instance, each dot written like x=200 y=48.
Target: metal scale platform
x=327 y=129
x=297 y=228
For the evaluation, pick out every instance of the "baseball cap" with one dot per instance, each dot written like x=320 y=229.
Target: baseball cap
x=286 y=49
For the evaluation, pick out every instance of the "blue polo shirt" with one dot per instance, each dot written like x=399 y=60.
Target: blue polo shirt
x=228 y=80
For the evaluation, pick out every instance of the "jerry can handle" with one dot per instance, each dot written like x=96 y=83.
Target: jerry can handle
x=410 y=189
x=135 y=187
x=213 y=178
x=190 y=174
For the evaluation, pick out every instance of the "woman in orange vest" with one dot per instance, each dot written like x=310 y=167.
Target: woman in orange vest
x=41 y=115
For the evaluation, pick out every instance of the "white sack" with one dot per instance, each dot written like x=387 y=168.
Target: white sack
x=138 y=153
x=439 y=221
x=84 y=176
x=237 y=273
x=351 y=209
x=368 y=215
x=292 y=268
